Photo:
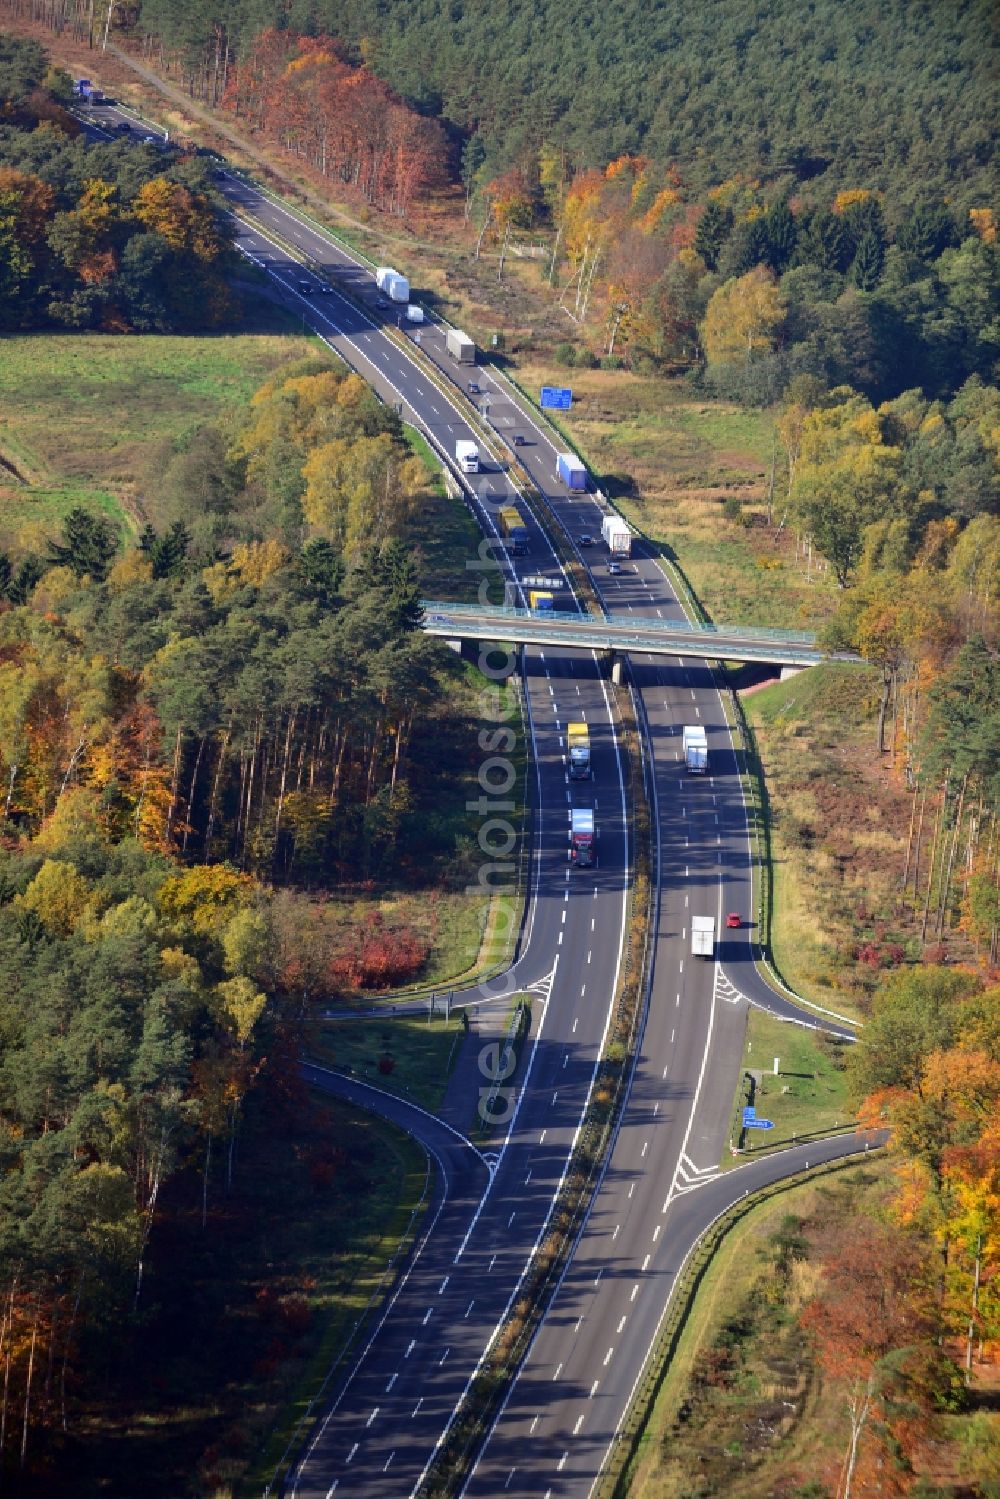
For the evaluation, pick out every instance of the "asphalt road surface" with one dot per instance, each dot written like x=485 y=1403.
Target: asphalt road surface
x=661 y=1187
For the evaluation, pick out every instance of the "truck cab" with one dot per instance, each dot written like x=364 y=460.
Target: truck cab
x=467 y=457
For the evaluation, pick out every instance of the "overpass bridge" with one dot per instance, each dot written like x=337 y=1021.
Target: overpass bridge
x=620 y=636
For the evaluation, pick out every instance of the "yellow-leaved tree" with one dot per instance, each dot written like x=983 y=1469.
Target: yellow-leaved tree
x=742 y=318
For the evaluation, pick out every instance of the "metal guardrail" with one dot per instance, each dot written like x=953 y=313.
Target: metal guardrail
x=665 y=627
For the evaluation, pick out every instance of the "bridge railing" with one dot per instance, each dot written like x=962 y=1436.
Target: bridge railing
x=628 y=623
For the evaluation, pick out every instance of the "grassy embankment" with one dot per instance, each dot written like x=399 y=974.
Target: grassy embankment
x=741 y=1403
x=408 y=1055
x=671 y=460
x=807 y=1097
x=82 y=415
x=839 y=826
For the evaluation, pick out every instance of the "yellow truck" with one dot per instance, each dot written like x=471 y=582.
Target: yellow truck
x=540 y=600
x=578 y=743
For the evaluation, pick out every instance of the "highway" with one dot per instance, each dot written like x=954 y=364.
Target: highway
x=661 y=1187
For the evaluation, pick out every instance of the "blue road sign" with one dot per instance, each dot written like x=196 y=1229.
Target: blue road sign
x=760 y=1124
x=559 y=398
x=749 y=1114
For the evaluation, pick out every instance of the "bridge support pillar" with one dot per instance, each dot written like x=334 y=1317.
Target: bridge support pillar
x=791 y=671
x=617 y=667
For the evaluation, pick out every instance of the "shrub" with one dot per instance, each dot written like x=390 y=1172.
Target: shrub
x=565 y=354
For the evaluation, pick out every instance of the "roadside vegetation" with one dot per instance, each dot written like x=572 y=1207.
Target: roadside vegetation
x=805 y=1097
x=843 y=1340
x=411 y=1055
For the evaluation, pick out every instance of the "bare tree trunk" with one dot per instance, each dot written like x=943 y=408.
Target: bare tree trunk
x=930 y=872
x=174 y=788
x=284 y=773
x=503 y=250
x=482 y=232
x=555 y=255
x=67 y=1345
x=204 y=1180
x=191 y=789
x=946 y=883
x=973 y=1310
x=214 y=800
x=916 y=851
x=859 y=1406
x=27 y=1394
x=909 y=841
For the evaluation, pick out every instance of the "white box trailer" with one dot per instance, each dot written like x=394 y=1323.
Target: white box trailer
x=617 y=536
x=695 y=744
x=703 y=936
x=467 y=456
x=395 y=286
x=460 y=346
x=414 y=314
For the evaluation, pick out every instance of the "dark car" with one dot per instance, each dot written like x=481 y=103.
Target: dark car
x=734 y=920
x=586 y=540
x=382 y=304
x=307 y=288
x=325 y=288
x=474 y=388
x=519 y=439
x=123 y=127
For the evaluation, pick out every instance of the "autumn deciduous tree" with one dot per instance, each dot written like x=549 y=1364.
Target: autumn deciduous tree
x=742 y=320
x=865 y=1319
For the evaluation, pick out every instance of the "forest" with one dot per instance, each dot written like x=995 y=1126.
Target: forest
x=101 y=236
x=897 y=97
x=195 y=731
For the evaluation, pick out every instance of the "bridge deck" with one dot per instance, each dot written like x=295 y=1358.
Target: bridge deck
x=615 y=633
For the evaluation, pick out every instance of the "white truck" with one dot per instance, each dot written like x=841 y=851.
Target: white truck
x=695 y=744
x=460 y=346
x=703 y=936
x=617 y=536
x=414 y=314
x=467 y=456
x=395 y=286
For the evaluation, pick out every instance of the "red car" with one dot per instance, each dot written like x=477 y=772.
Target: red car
x=734 y=919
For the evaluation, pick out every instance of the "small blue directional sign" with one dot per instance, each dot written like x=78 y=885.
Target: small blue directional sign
x=559 y=398
x=760 y=1124
x=749 y=1115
